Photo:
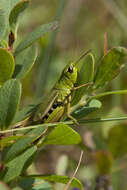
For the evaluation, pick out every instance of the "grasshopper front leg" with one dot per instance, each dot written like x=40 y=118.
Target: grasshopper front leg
x=82 y=85
x=69 y=100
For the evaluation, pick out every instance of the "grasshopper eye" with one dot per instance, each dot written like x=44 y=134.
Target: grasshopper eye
x=70 y=69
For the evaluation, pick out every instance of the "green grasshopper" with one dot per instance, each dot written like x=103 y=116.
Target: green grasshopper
x=60 y=98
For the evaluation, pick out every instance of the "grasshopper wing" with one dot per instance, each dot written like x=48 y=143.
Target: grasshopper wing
x=46 y=104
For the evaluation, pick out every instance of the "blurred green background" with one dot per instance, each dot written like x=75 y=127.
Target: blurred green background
x=82 y=24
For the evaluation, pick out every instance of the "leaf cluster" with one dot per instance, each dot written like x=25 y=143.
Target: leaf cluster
x=18 y=151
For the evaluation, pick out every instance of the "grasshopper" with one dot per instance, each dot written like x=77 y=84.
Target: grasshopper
x=60 y=98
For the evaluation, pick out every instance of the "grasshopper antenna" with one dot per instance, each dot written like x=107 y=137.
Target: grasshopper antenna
x=83 y=55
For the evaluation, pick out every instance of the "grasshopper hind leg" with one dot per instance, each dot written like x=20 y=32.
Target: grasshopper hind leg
x=73 y=119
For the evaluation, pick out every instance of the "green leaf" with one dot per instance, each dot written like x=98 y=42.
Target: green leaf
x=15 y=13
x=26 y=111
x=15 y=167
x=117 y=141
x=6 y=65
x=87 y=109
x=10 y=94
x=22 y=144
x=35 y=184
x=59 y=179
x=35 y=35
x=110 y=66
x=63 y=135
x=24 y=61
x=10 y=139
x=2 y=24
x=4 y=44
x=6 y=6
x=3 y=186
x=85 y=75
x=17 y=188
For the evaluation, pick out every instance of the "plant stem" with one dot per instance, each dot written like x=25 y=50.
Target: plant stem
x=108 y=93
x=70 y=122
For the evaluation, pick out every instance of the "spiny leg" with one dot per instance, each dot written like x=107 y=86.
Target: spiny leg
x=68 y=113
x=68 y=103
x=82 y=85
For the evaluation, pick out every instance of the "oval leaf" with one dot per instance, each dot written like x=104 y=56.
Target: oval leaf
x=59 y=179
x=63 y=135
x=34 y=184
x=6 y=6
x=22 y=144
x=10 y=94
x=24 y=62
x=35 y=35
x=110 y=66
x=85 y=76
x=5 y=141
x=87 y=109
x=3 y=186
x=6 y=65
x=15 y=167
x=15 y=13
x=26 y=112
x=2 y=24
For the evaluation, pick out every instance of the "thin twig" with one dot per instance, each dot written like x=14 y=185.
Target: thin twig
x=80 y=159
x=70 y=122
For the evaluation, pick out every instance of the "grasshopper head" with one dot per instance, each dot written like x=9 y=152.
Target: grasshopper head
x=70 y=72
